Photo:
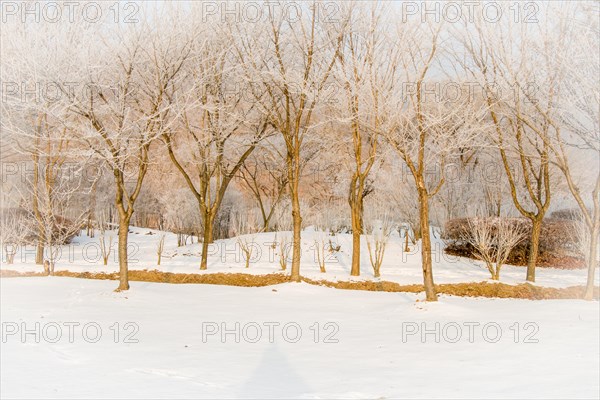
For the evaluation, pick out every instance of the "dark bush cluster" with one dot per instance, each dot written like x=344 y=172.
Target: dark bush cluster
x=557 y=243
x=572 y=214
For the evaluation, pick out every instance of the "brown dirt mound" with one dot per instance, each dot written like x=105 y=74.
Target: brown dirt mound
x=235 y=279
x=9 y=273
x=470 y=289
x=474 y=289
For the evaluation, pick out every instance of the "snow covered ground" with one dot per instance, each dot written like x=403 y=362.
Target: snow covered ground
x=73 y=338
x=226 y=256
x=369 y=344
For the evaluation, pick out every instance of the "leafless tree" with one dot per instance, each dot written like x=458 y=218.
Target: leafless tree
x=565 y=113
x=160 y=247
x=504 y=61
x=265 y=176
x=128 y=105
x=287 y=64
x=493 y=239
x=105 y=246
x=284 y=246
x=429 y=130
x=12 y=234
x=223 y=127
x=377 y=236
x=245 y=229
x=367 y=63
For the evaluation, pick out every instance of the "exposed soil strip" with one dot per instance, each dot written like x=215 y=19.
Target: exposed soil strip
x=471 y=289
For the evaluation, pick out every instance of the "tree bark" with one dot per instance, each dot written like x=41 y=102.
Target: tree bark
x=356 y=209
x=534 y=246
x=39 y=253
x=592 y=263
x=417 y=234
x=297 y=228
x=430 y=293
x=123 y=266
x=207 y=238
x=496 y=274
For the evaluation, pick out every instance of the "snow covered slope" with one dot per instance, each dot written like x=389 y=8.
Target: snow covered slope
x=226 y=256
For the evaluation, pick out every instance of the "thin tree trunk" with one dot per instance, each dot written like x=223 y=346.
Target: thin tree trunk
x=592 y=264
x=297 y=227
x=496 y=274
x=534 y=246
x=39 y=253
x=417 y=234
x=355 y=271
x=430 y=293
x=123 y=266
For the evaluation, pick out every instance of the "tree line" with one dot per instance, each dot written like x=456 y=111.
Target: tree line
x=225 y=102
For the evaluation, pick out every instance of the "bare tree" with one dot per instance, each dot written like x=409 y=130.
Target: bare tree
x=48 y=194
x=366 y=71
x=429 y=129
x=323 y=246
x=105 y=247
x=12 y=234
x=564 y=113
x=265 y=176
x=160 y=247
x=223 y=127
x=493 y=239
x=378 y=234
x=245 y=229
x=507 y=72
x=33 y=123
x=287 y=64
x=128 y=106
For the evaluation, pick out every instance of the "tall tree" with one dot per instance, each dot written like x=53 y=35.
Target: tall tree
x=432 y=126
x=566 y=104
x=290 y=60
x=128 y=105
x=502 y=60
x=217 y=130
x=366 y=67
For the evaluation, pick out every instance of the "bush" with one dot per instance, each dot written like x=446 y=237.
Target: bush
x=571 y=214
x=63 y=230
x=557 y=246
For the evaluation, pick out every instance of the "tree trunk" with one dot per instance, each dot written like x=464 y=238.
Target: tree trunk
x=496 y=274
x=592 y=264
x=430 y=293
x=297 y=227
x=123 y=266
x=206 y=239
x=534 y=246
x=355 y=209
x=39 y=253
x=416 y=234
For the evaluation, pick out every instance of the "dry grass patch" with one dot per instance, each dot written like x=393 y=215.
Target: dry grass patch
x=471 y=289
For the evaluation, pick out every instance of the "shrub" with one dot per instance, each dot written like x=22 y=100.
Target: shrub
x=557 y=246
